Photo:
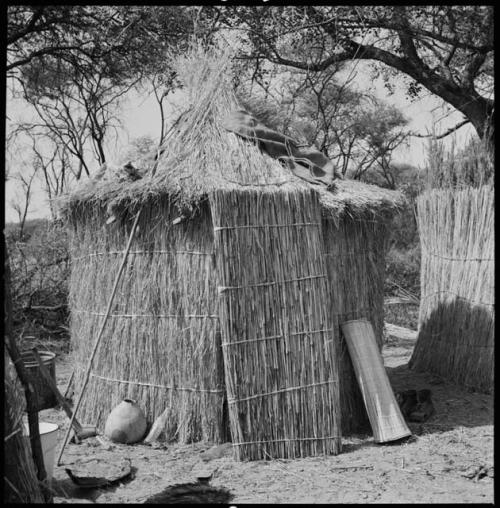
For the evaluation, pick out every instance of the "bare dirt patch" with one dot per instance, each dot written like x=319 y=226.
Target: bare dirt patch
x=449 y=459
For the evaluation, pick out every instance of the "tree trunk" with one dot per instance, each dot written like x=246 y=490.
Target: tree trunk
x=480 y=112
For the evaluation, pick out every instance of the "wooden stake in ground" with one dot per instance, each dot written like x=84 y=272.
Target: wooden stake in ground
x=157 y=427
x=66 y=393
x=99 y=335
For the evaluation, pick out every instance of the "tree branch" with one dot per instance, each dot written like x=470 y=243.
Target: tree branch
x=45 y=51
x=29 y=28
x=404 y=35
x=444 y=134
x=446 y=62
x=413 y=31
x=472 y=69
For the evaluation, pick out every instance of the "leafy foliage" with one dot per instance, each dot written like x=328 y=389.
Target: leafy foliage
x=39 y=282
x=446 y=49
x=73 y=64
x=114 y=41
x=355 y=130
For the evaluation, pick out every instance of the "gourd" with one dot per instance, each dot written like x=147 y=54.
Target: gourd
x=126 y=423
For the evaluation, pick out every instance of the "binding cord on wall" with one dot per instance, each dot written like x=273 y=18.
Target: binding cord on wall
x=101 y=330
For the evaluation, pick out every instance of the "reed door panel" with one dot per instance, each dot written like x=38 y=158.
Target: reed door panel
x=279 y=343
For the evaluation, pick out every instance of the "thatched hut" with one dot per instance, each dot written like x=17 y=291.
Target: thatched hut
x=457 y=309
x=236 y=281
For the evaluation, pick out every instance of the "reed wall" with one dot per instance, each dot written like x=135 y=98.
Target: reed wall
x=279 y=341
x=161 y=345
x=355 y=253
x=457 y=315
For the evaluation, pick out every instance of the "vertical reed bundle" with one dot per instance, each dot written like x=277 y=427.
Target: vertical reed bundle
x=20 y=479
x=355 y=263
x=456 y=319
x=279 y=341
x=161 y=345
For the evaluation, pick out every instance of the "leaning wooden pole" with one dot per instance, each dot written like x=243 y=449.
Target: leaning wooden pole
x=101 y=331
x=385 y=417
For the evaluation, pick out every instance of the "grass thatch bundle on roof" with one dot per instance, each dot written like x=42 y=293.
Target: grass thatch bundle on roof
x=163 y=344
x=457 y=313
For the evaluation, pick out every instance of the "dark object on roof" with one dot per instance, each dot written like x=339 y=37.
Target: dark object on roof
x=307 y=163
x=132 y=172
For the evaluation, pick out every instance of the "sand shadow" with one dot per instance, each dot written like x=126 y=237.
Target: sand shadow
x=456 y=341
x=191 y=493
x=67 y=489
x=399 y=342
x=453 y=357
x=455 y=405
x=364 y=443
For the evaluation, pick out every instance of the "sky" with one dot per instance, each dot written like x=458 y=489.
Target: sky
x=140 y=116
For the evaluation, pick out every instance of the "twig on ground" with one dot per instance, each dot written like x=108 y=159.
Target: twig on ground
x=352 y=467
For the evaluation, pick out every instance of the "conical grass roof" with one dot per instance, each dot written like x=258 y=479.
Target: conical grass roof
x=201 y=156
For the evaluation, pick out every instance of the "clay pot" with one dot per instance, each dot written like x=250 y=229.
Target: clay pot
x=126 y=423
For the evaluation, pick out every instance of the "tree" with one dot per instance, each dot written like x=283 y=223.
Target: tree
x=117 y=40
x=381 y=130
x=446 y=49
x=73 y=64
x=54 y=169
x=162 y=82
x=22 y=200
x=75 y=108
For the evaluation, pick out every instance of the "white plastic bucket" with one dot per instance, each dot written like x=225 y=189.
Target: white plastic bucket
x=48 y=440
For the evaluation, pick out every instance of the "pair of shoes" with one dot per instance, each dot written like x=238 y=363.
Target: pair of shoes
x=424 y=408
x=407 y=401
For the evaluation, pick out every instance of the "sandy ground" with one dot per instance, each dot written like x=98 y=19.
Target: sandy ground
x=432 y=467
